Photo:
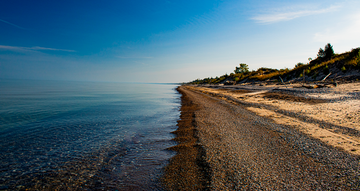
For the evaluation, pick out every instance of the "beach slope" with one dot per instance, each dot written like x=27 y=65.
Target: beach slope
x=243 y=150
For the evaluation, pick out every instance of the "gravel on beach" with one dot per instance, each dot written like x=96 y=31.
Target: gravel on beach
x=244 y=151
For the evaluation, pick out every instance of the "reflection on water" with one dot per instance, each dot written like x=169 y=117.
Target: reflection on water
x=63 y=135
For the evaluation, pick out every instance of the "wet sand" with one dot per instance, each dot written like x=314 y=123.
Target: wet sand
x=187 y=170
x=244 y=150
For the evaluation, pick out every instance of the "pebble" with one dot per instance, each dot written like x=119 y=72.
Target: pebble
x=265 y=160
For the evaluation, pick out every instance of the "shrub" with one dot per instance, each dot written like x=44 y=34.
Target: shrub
x=299 y=64
x=352 y=62
x=343 y=69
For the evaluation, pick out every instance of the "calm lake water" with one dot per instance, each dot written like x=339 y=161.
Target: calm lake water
x=85 y=136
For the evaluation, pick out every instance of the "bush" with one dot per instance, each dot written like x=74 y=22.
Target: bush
x=352 y=62
x=299 y=64
x=343 y=69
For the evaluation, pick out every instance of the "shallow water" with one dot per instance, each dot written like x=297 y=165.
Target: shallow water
x=83 y=135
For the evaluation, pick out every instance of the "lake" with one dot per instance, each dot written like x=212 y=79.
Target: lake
x=85 y=135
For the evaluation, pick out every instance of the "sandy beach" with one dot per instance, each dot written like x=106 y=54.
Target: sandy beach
x=275 y=137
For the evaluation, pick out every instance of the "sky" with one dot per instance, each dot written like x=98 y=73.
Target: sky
x=167 y=41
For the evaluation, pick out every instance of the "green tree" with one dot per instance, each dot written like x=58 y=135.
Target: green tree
x=321 y=53
x=326 y=53
x=242 y=69
x=329 y=51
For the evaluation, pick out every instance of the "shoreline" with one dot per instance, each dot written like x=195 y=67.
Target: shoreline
x=187 y=170
x=246 y=150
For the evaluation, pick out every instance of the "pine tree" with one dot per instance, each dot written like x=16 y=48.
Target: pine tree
x=242 y=69
x=327 y=53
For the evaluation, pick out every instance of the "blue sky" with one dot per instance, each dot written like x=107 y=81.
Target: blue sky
x=167 y=40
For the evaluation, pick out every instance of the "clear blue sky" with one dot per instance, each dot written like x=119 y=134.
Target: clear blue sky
x=167 y=40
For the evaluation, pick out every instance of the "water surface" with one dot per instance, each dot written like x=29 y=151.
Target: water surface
x=84 y=135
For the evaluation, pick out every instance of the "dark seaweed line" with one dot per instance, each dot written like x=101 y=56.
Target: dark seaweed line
x=188 y=169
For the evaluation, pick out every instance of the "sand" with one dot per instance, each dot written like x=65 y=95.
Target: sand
x=330 y=114
x=275 y=138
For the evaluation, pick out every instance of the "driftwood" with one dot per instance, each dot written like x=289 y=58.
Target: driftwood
x=326 y=77
x=282 y=81
x=311 y=86
x=230 y=83
x=314 y=86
